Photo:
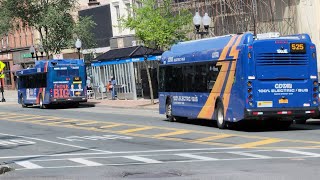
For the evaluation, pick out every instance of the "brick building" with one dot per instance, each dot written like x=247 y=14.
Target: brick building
x=14 y=52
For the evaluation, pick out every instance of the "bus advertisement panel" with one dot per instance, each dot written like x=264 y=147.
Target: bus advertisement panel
x=52 y=82
x=236 y=77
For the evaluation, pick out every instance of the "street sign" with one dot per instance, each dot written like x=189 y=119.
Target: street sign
x=1 y=76
x=2 y=65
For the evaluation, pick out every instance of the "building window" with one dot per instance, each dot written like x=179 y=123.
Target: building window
x=118 y=18
x=128 y=8
x=6 y=71
x=139 y=4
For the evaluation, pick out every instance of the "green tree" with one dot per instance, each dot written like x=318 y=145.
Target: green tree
x=51 y=18
x=157 y=26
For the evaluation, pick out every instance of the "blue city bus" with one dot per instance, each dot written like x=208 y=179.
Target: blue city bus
x=52 y=82
x=238 y=77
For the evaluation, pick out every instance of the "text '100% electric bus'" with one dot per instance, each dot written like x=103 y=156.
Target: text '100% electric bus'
x=237 y=77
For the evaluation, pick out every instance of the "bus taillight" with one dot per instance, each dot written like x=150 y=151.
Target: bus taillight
x=249 y=84
x=257 y=113
x=284 y=112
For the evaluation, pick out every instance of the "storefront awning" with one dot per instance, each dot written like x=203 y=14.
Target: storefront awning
x=125 y=55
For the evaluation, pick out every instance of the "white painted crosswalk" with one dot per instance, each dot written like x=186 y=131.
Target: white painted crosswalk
x=165 y=157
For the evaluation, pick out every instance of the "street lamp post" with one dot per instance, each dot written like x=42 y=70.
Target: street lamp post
x=198 y=20
x=34 y=51
x=78 y=45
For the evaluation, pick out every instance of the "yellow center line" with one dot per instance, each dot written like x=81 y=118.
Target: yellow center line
x=259 y=143
x=211 y=138
x=134 y=130
x=172 y=133
x=44 y=120
x=111 y=125
x=86 y=123
x=65 y=121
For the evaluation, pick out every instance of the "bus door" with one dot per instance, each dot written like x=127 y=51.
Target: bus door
x=282 y=77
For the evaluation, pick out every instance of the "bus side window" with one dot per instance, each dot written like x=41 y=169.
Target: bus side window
x=213 y=72
x=200 y=78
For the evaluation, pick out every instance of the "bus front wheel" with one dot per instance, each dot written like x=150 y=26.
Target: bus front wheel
x=221 y=123
x=22 y=102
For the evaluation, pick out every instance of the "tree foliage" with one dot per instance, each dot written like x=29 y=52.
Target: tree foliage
x=51 y=18
x=156 y=25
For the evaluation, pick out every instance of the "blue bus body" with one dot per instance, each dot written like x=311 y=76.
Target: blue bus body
x=52 y=82
x=251 y=78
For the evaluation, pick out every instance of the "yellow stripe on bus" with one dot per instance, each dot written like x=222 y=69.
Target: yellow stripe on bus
x=226 y=96
x=208 y=109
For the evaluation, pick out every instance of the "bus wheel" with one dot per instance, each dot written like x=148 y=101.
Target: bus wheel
x=22 y=102
x=221 y=123
x=42 y=106
x=169 y=112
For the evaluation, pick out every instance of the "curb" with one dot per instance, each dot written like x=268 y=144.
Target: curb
x=122 y=107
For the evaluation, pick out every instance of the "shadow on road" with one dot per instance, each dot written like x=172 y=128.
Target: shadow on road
x=256 y=126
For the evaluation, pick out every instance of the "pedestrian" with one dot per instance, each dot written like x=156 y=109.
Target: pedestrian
x=89 y=83
x=113 y=90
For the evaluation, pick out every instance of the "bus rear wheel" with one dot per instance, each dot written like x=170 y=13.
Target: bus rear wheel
x=169 y=115
x=219 y=116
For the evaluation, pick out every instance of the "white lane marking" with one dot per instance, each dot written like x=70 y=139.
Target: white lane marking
x=85 y=162
x=53 y=142
x=120 y=152
x=142 y=159
x=250 y=155
x=299 y=152
x=28 y=165
x=186 y=161
x=193 y=156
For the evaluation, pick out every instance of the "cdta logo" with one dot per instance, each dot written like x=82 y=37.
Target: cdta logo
x=283 y=86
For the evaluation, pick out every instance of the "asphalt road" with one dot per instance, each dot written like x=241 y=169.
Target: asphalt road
x=109 y=143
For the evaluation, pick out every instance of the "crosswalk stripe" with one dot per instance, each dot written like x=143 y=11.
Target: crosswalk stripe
x=134 y=130
x=85 y=162
x=250 y=155
x=172 y=133
x=298 y=152
x=193 y=156
x=28 y=165
x=142 y=159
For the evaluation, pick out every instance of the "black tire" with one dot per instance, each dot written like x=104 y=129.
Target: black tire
x=283 y=125
x=300 y=121
x=169 y=115
x=23 y=105
x=219 y=116
x=42 y=106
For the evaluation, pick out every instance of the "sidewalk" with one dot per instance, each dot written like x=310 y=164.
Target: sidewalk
x=11 y=96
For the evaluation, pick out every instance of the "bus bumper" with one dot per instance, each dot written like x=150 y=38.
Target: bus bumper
x=68 y=100
x=261 y=113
